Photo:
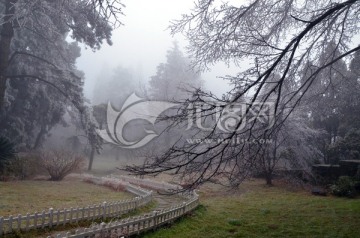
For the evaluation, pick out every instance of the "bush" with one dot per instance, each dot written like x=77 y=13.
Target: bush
x=357 y=175
x=345 y=187
x=7 y=151
x=347 y=148
x=23 y=166
x=59 y=163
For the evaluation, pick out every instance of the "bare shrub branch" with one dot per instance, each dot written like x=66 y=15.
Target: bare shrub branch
x=59 y=163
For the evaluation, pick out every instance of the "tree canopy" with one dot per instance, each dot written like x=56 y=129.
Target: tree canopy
x=175 y=79
x=37 y=65
x=281 y=40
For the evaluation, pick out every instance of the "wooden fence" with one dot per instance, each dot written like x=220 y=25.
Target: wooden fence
x=136 y=225
x=53 y=217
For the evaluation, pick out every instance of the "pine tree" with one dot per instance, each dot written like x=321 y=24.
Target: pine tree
x=174 y=79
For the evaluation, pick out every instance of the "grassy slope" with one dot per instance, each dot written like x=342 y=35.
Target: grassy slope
x=31 y=196
x=259 y=211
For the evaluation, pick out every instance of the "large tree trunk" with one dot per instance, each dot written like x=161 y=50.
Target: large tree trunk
x=91 y=159
x=39 y=138
x=268 y=178
x=6 y=34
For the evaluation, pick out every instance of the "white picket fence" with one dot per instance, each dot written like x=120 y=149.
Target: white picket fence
x=136 y=225
x=53 y=217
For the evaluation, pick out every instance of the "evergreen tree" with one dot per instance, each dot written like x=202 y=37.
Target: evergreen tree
x=115 y=87
x=174 y=79
x=47 y=23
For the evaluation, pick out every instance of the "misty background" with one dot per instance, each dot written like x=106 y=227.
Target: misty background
x=140 y=45
x=144 y=58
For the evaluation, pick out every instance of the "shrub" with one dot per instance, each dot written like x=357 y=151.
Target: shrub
x=7 y=151
x=23 y=166
x=347 y=148
x=357 y=175
x=344 y=187
x=59 y=163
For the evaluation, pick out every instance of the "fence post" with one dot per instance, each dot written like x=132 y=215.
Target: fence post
x=102 y=228
x=104 y=210
x=1 y=226
x=51 y=216
x=19 y=222
x=10 y=223
x=71 y=214
x=43 y=219
x=88 y=212
x=77 y=214
x=58 y=217
x=83 y=213
x=155 y=219
x=64 y=221
x=27 y=222
x=35 y=220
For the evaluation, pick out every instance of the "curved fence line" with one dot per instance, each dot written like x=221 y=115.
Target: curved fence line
x=136 y=225
x=104 y=210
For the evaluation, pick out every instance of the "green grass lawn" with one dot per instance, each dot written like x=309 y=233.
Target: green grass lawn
x=260 y=211
x=21 y=197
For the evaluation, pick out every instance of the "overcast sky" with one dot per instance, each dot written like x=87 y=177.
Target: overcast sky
x=141 y=44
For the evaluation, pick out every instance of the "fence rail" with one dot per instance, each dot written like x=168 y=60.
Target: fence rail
x=135 y=225
x=53 y=217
